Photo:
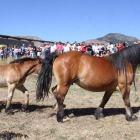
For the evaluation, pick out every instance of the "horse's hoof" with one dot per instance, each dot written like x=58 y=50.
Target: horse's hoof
x=65 y=119
x=98 y=114
x=9 y=112
x=132 y=118
x=62 y=119
x=59 y=119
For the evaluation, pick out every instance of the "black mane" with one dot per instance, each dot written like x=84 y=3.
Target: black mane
x=21 y=60
x=130 y=54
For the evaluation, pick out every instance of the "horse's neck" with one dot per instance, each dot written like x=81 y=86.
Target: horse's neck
x=29 y=68
x=31 y=71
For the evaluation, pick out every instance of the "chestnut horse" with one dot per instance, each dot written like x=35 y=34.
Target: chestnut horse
x=109 y=74
x=14 y=75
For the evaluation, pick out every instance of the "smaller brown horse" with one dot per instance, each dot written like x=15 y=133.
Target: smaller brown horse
x=13 y=76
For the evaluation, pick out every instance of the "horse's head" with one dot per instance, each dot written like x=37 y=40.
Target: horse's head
x=38 y=66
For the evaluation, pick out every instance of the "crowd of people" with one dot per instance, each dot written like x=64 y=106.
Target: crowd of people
x=95 y=49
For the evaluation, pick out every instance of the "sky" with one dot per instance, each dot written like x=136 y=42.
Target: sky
x=69 y=20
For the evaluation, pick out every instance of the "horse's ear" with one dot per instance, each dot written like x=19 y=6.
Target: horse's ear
x=39 y=60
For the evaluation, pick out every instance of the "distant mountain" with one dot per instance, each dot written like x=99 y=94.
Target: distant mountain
x=116 y=38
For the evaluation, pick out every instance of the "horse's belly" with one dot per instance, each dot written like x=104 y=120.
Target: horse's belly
x=97 y=87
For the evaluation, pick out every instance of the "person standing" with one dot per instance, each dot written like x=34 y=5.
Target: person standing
x=23 y=50
x=96 y=49
x=115 y=48
x=83 y=47
x=15 y=52
x=78 y=47
x=101 y=49
x=89 y=50
x=1 y=53
x=74 y=47
x=43 y=50
x=93 y=48
x=53 y=47
x=110 y=47
x=34 y=51
x=29 y=50
x=125 y=45
x=5 y=52
x=66 y=47
x=19 y=52
x=47 y=47
x=39 y=50
x=120 y=46
x=60 y=47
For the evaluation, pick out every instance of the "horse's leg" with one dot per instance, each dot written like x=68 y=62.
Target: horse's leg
x=11 y=89
x=60 y=96
x=24 y=91
x=55 y=106
x=129 y=113
x=54 y=91
x=99 y=111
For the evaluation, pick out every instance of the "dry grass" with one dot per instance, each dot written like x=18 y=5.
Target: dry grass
x=40 y=123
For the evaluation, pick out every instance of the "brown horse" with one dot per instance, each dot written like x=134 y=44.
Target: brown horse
x=110 y=73
x=14 y=75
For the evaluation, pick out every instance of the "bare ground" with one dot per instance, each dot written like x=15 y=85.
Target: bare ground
x=40 y=122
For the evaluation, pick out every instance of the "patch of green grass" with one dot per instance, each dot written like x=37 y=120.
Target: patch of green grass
x=22 y=127
x=36 y=132
x=52 y=131
x=82 y=138
x=96 y=135
x=62 y=138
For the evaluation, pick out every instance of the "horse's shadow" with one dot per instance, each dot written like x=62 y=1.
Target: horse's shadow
x=73 y=112
x=18 y=106
x=77 y=112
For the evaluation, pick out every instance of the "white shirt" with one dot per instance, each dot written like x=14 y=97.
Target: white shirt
x=73 y=47
x=110 y=48
x=78 y=48
x=53 y=48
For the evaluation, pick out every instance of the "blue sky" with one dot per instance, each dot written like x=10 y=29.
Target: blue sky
x=69 y=20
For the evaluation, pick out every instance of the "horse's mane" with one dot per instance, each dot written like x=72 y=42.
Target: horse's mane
x=130 y=54
x=21 y=60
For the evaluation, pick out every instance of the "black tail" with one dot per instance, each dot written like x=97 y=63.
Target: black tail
x=45 y=76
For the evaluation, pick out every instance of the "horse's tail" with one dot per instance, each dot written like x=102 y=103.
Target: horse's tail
x=45 y=76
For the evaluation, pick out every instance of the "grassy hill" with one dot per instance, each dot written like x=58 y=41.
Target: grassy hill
x=116 y=38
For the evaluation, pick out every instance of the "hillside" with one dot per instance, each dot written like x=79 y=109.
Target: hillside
x=116 y=38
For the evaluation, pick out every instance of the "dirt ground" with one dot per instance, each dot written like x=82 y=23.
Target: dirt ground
x=39 y=123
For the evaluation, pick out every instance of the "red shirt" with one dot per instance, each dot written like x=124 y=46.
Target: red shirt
x=83 y=47
x=121 y=47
